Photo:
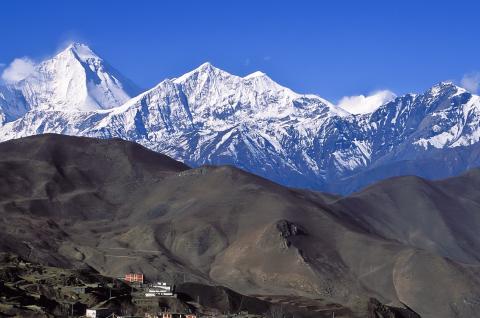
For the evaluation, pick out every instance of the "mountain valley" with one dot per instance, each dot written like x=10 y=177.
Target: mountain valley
x=117 y=207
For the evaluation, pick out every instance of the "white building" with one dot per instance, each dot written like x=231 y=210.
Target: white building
x=159 y=289
x=98 y=313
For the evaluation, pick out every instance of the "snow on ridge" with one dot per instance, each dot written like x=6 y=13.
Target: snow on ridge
x=254 y=74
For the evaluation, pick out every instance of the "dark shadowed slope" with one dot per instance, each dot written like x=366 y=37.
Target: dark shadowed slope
x=442 y=217
x=118 y=207
x=51 y=179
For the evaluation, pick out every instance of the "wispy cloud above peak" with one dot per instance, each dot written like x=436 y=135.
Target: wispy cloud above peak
x=19 y=69
x=361 y=104
x=471 y=82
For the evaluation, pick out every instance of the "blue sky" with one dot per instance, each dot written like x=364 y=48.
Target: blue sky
x=330 y=48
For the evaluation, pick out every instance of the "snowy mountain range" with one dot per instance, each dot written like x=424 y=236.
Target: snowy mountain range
x=208 y=116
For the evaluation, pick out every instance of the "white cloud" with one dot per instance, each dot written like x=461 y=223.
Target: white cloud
x=18 y=70
x=471 y=82
x=362 y=104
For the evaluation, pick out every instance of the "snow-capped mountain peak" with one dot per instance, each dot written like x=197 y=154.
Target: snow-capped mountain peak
x=203 y=73
x=208 y=74
x=81 y=51
x=75 y=79
x=445 y=88
x=261 y=81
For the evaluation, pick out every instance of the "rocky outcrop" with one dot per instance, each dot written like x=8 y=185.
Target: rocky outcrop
x=378 y=310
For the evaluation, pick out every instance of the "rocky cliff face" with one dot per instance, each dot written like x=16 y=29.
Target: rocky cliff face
x=378 y=310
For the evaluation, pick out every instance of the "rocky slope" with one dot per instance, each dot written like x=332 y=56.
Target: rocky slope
x=118 y=207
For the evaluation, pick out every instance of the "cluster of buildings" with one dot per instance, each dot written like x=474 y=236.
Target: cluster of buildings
x=109 y=313
x=99 y=313
x=147 y=296
x=157 y=289
x=170 y=315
